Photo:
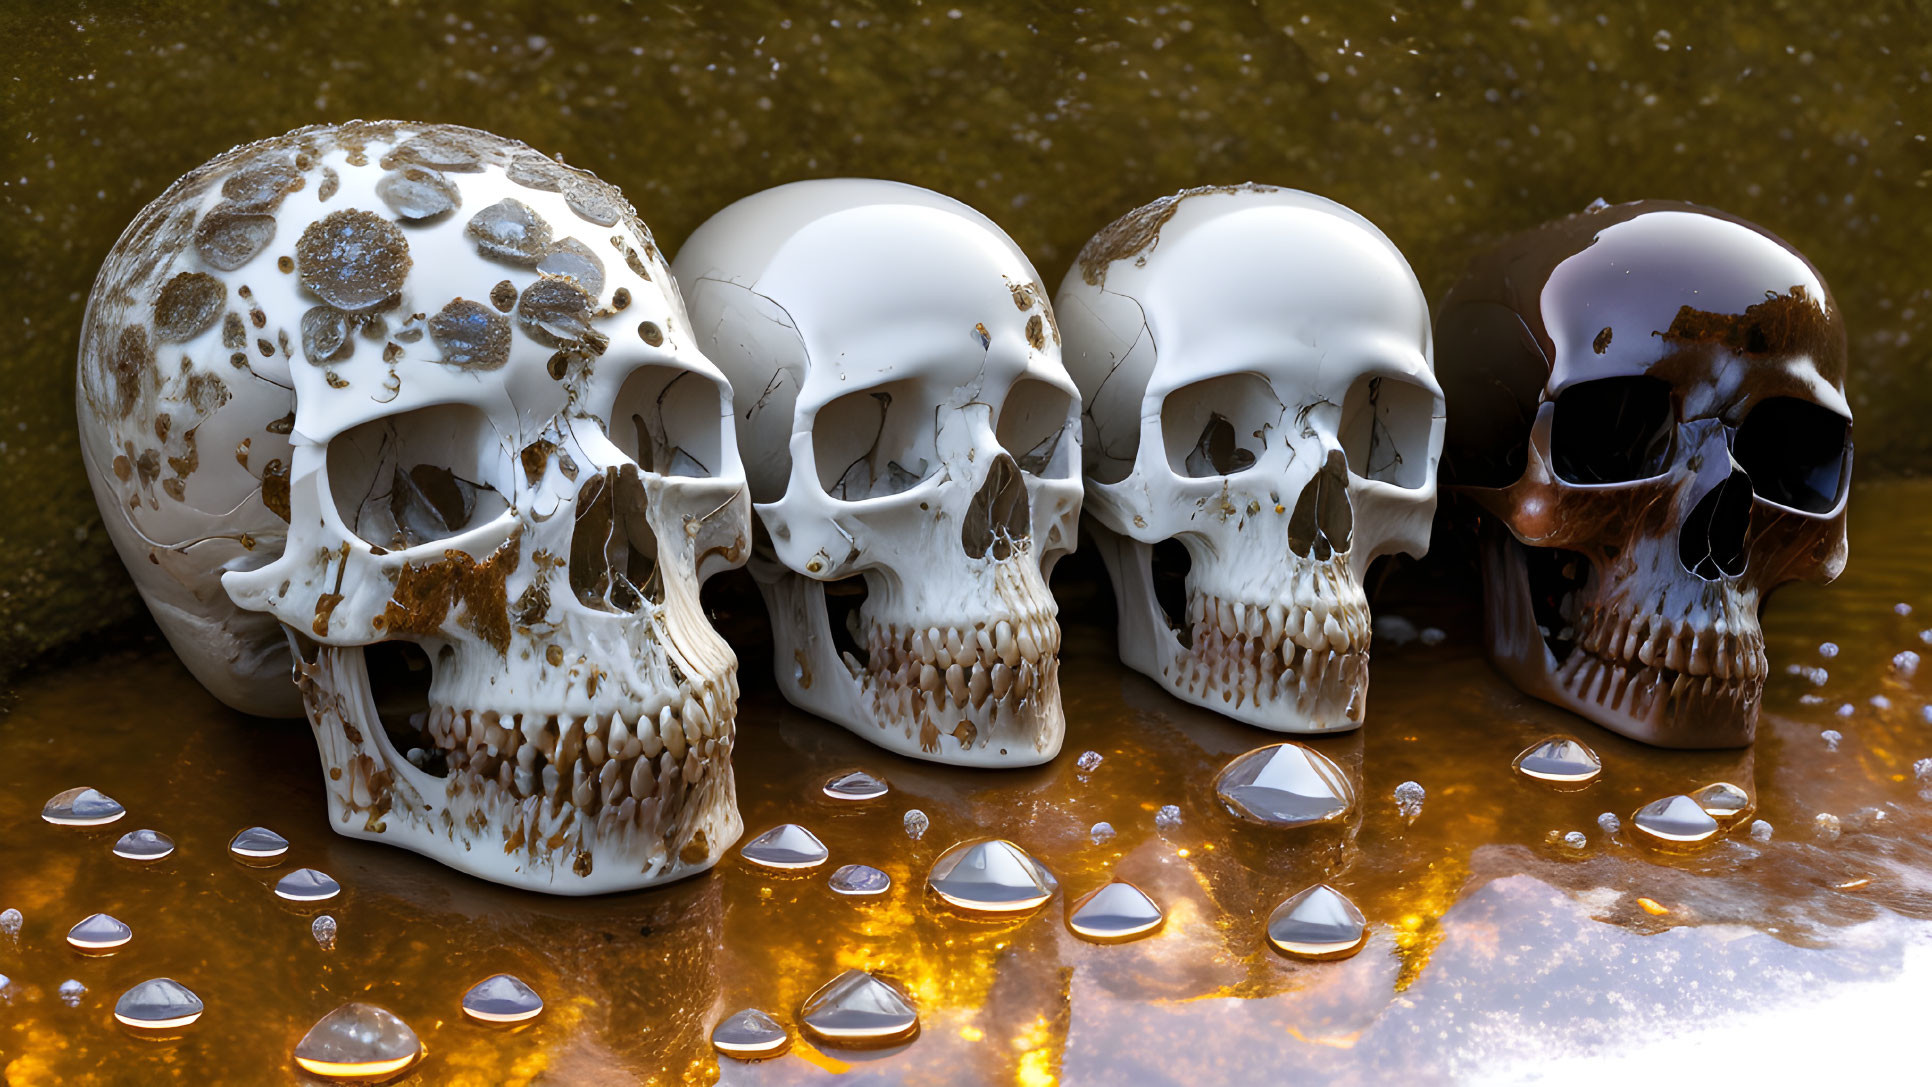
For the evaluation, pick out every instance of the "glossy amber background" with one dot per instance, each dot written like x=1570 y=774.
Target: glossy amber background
x=1448 y=124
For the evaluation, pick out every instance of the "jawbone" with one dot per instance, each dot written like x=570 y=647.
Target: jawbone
x=659 y=807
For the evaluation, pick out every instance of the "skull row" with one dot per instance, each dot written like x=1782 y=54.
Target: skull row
x=382 y=401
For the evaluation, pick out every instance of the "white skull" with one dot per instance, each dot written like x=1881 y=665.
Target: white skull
x=452 y=417
x=1255 y=364
x=906 y=421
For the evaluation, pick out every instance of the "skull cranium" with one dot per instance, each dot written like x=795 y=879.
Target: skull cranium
x=907 y=424
x=1648 y=407
x=1255 y=364
x=471 y=438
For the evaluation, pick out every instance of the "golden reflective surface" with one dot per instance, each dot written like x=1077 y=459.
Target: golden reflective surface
x=1492 y=943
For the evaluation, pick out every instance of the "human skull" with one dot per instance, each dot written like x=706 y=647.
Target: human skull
x=1648 y=407
x=906 y=422
x=1255 y=363
x=424 y=398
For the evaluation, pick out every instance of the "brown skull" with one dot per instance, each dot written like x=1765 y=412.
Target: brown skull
x=1647 y=408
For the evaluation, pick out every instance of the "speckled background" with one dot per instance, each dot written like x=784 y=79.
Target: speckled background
x=1448 y=124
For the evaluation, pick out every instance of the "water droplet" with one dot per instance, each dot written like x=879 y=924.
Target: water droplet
x=258 y=844
x=1118 y=911
x=1724 y=802
x=855 y=785
x=916 y=824
x=358 y=1041
x=187 y=306
x=510 y=230
x=1088 y=762
x=1168 y=818
x=573 y=258
x=1832 y=737
x=787 y=846
x=10 y=922
x=592 y=199
x=100 y=932
x=82 y=807
x=1283 y=785
x=1828 y=650
x=1905 y=663
x=750 y=1035
x=1575 y=839
x=1408 y=799
x=1562 y=760
x=1760 y=830
x=1610 y=823
x=323 y=929
x=992 y=876
x=1827 y=826
x=144 y=845
x=353 y=259
x=471 y=335
x=418 y=193
x=860 y=879
x=159 y=1004
x=1674 y=820
x=71 y=992
x=307 y=885
x=555 y=312
x=1318 y=923
x=1101 y=833
x=502 y=998
x=228 y=237
x=858 y=1009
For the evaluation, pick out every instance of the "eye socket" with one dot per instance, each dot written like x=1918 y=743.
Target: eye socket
x=1385 y=429
x=1614 y=430
x=1794 y=452
x=419 y=477
x=670 y=421
x=1220 y=426
x=874 y=442
x=1035 y=420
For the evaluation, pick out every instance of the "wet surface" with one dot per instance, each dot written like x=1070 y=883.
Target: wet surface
x=1493 y=945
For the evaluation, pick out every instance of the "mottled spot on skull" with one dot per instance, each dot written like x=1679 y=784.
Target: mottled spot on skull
x=335 y=380
x=471 y=335
x=593 y=200
x=187 y=306
x=1137 y=232
x=258 y=318
x=284 y=425
x=123 y=469
x=228 y=238
x=418 y=194
x=325 y=605
x=534 y=171
x=267 y=349
x=503 y=296
x=1036 y=332
x=555 y=311
x=275 y=488
x=1602 y=342
x=984 y=337
x=573 y=259
x=233 y=335
x=441 y=149
x=510 y=230
x=353 y=259
x=206 y=393
x=631 y=259
x=1781 y=324
x=163 y=423
x=424 y=595
x=285 y=264
x=566 y=465
x=120 y=381
x=558 y=366
x=148 y=466
x=621 y=298
x=536 y=459
x=261 y=184
x=652 y=334
x=330 y=183
x=238 y=360
x=392 y=353
x=534 y=604
x=1022 y=295
x=554 y=654
x=241 y=451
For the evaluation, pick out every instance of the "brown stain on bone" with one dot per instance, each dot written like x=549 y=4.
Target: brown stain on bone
x=425 y=594
x=1782 y=324
x=1136 y=232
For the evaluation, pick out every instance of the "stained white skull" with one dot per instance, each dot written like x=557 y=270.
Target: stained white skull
x=423 y=397
x=1256 y=368
x=906 y=421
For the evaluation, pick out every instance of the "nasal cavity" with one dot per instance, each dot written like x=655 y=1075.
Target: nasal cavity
x=1323 y=521
x=997 y=520
x=1711 y=543
x=613 y=552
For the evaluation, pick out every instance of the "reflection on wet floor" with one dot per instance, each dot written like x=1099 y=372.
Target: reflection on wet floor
x=1510 y=907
